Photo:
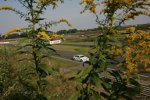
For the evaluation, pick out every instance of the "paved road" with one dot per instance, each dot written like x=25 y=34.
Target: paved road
x=80 y=45
x=70 y=54
x=66 y=54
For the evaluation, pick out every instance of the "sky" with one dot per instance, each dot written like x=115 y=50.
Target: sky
x=69 y=10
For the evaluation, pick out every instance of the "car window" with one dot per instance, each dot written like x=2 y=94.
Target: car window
x=81 y=56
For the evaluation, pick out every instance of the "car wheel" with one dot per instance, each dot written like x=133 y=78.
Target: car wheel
x=73 y=59
x=81 y=60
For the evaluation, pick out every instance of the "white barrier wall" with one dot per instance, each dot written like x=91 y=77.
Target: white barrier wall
x=55 y=42
x=4 y=42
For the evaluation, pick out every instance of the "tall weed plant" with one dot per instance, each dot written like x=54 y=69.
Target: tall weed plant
x=96 y=81
x=36 y=48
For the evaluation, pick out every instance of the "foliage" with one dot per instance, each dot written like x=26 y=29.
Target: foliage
x=117 y=11
x=11 y=71
x=5 y=69
x=137 y=52
x=70 y=31
x=21 y=83
x=55 y=36
x=95 y=80
x=36 y=33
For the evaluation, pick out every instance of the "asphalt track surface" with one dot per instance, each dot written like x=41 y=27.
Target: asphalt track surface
x=69 y=55
x=66 y=54
x=80 y=45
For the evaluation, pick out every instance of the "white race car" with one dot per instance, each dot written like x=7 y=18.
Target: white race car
x=81 y=58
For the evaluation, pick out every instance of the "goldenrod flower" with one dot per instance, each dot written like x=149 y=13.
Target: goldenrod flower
x=64 y=21
x=54 y=35
x=93 y=9
x=146 y=62
x=6 y=34
x=91 y=5
x=118 y=51
x=87 y=1
x=41 y=1
x=6 y=8
x=51 y=2
x=138 y=50
x=44 y=35
x=147 y=70
x=131 y=29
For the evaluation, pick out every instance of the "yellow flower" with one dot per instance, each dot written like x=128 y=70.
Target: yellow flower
x=44 y=35
x=131 y=29
x=6 y=34
x=128 y=2
x=51 y=2
x=41 y=1
x=146 y=62
x=54 y=35
x=147 y=70
x=131 y=68
x=87 y=1
x=64 y=21
x=6 y=8
x=118 y=51
x=129 y=50
x=91 y=5
x=138 y=50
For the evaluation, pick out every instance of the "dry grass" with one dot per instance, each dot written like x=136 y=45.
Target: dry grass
x=58 y=88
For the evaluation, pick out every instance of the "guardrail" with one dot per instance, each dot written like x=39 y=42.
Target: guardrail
x=145 y=90
x=4 y=42
x=144 y=93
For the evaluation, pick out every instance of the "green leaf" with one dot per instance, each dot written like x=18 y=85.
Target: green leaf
x=77 y=79
x=117 y=75
x=73 y=72
x=43 y=69
x=96 y=80
x=85 y=71
x=75 y=95
x=134 y=82
x=53 y=72
x=43 y=82
x=106 y=86
x=97 y=96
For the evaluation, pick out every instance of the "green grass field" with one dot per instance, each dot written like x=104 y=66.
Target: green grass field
x=80 y=43
x=7 y=52
x=56 y=62
x=71 y=48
